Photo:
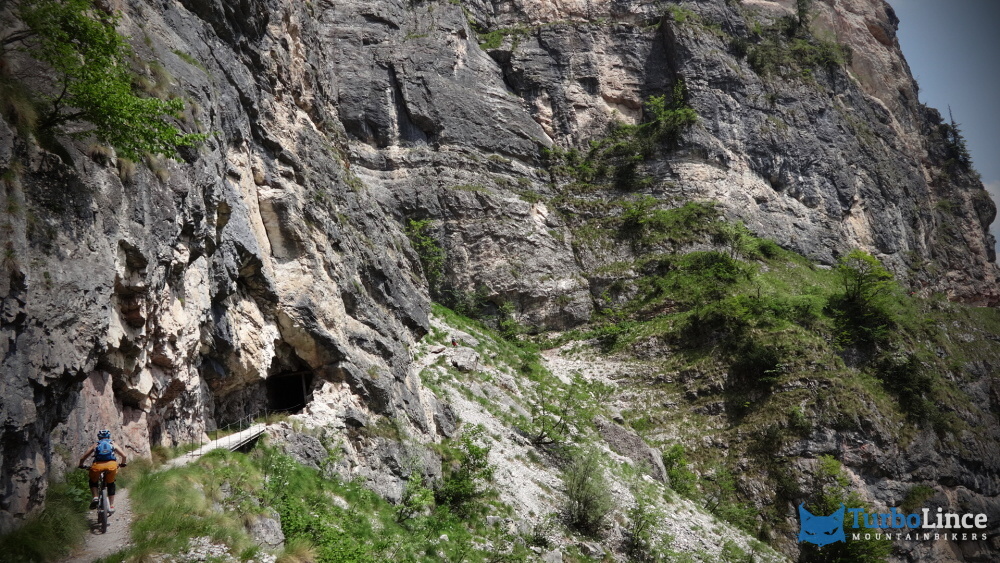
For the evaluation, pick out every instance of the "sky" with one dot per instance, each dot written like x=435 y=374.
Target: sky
x=953 y=49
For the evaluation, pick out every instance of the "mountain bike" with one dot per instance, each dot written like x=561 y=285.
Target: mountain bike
x=103 y=504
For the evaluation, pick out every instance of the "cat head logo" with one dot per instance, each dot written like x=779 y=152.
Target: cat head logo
x=821 y=530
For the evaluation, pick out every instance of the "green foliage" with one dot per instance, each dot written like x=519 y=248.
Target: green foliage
x=430 y=253
x=732 y=553
x=831 y=489
x=915 y=498
x=467 y=473
x=417 y=499
x=616 y=158
x=721 y=498
x=906 y=377
x=646 y=226
x=701 y=277
x=802 y=12
x=94 y=80
x=61 y=524
x=787 y=48
x=589 y=500
x=956 y=154
x=643 y=517
x=327 y=520
x=865 y=310
x=189 y=59
x=16 y=105
x=495 y=38
x=169 y=509
x=682 y=480
x=507 y=325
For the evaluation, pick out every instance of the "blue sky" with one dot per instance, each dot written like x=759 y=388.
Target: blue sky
x=953 y=49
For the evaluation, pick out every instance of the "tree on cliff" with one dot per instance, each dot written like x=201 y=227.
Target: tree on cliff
x=92 y=83
x=863 y=311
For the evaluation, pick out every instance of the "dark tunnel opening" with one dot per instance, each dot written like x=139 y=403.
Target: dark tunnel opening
x=289 y=383
x=288 y=392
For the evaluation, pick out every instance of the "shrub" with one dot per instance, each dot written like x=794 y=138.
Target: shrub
x=16 y=105
x=617 y=156
x=831 y=488
x=417 y=499
x=589 y=500
x=90 y=60
x=915 y=497
x=720 y=496
x=865 y=311
x=640 y=543
x=645 y=225
x=430 y=253
x=911 y=383
x=507 y=324
x=466 y=473
x=682 y=480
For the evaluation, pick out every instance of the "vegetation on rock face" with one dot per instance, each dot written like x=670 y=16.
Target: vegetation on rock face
x=93 y=81
x=57 y=528
x=429 y=251
x=323 y=518
x=831 y=490
x=616 y=158
x=787 y=47
x=735 y=324
x=589 y=501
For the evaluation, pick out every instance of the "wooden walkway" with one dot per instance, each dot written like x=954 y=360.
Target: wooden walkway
x=230 y=442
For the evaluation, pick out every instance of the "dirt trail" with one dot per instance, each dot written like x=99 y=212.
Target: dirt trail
x=101 y=545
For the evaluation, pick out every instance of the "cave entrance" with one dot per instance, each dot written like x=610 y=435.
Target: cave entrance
x=288 y=391
x=289 y=381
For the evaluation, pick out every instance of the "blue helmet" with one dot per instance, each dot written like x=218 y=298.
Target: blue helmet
x=104 y=435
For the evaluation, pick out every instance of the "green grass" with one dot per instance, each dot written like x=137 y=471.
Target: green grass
x=172 y=507
x=190 y=59
x=324 y=519
x=57 y=528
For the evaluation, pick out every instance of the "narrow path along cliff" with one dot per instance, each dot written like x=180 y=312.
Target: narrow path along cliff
x=100 y=545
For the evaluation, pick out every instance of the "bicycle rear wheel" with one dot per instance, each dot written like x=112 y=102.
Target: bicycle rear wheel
x=103 y=512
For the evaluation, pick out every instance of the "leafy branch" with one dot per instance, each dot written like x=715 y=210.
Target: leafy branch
x=93 y=79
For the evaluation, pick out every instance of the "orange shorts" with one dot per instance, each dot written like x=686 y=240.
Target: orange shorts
x=110 y=469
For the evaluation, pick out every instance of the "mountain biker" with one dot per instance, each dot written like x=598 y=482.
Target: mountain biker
x=104 y=460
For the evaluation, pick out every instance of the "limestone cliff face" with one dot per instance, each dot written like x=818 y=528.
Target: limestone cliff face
x=160 y=301
x=156 y=301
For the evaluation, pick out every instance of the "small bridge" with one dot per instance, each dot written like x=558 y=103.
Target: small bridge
x=231 y=442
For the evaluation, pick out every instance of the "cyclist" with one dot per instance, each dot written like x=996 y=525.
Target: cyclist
x=104 y=460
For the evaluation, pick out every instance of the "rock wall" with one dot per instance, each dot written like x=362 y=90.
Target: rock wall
x=157 y=298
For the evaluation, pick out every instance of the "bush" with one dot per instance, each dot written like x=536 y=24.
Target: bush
x=640 y=543
x=915 y=498
x=428 y=250
x=865 y=311
x=831 y=488
x=466 y=473
x=720 y=496
x=94 y=80
x=588 y=498
x=911 y=383
x=644 y=225
x=617 y=156
x=682 y=480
